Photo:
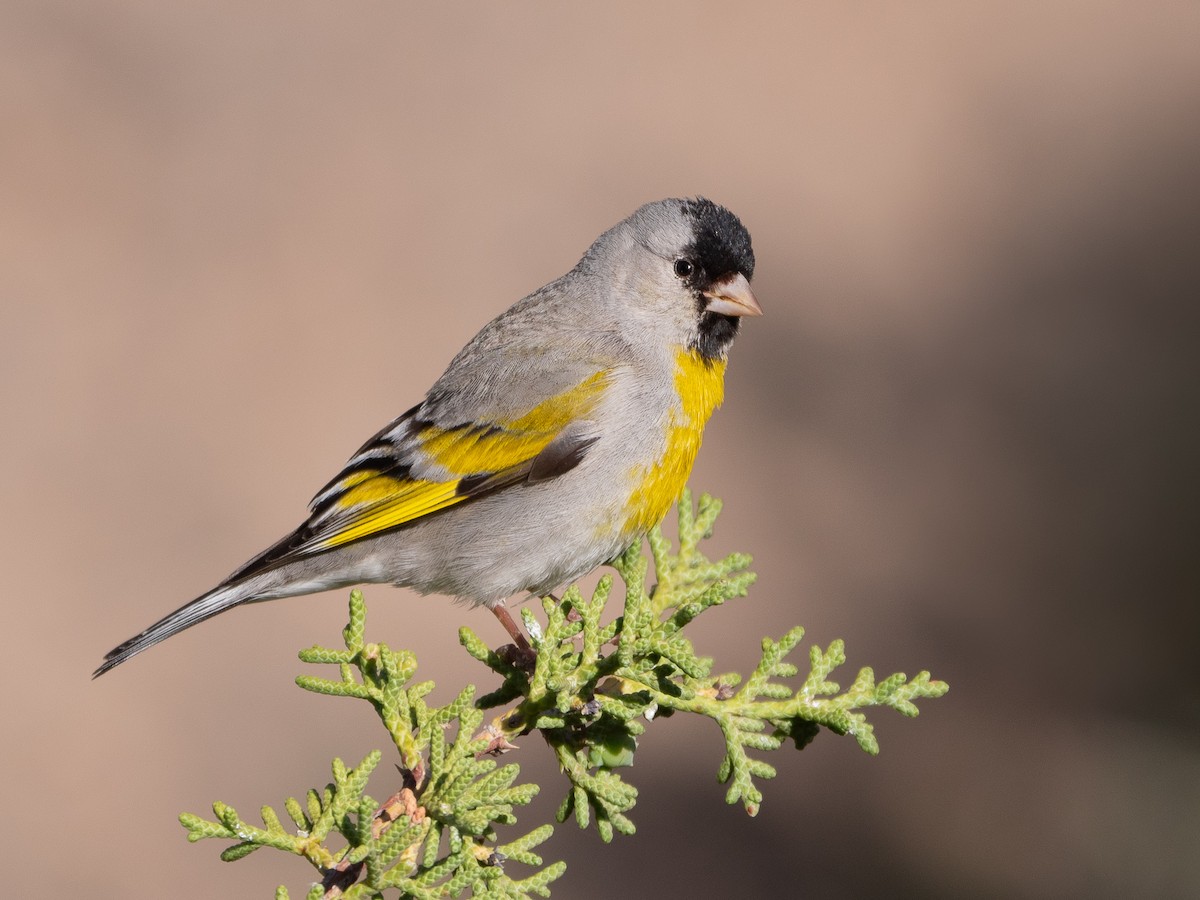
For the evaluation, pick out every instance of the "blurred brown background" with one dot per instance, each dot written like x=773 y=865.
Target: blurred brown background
x=235 y=241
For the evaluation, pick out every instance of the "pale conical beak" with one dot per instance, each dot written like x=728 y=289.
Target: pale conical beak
x=731 y=296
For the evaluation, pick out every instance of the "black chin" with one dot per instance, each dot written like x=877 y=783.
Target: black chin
x=714 y=336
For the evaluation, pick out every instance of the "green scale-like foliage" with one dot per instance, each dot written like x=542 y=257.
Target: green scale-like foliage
x=591 y=705
x=591 y=687
x=447 y=847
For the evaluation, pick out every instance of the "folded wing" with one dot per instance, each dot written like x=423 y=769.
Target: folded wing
x=416 y=467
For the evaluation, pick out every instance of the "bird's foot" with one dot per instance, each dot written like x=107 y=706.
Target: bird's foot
x=518 y=654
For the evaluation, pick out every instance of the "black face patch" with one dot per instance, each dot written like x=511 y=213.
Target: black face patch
x=721 y=245
x=721 y=248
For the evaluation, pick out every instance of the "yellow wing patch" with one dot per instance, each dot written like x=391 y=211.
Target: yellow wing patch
x=505 y=444
x=371 y=502
x=390 y=502
x=471 y=451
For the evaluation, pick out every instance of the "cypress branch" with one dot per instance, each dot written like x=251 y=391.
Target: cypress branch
x=599 y=677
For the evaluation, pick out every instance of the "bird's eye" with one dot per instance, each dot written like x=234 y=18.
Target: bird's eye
x=683 y=268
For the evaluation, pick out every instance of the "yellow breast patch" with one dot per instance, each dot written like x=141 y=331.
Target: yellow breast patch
x=700 y=384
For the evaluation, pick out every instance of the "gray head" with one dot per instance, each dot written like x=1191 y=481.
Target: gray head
x=684 y=263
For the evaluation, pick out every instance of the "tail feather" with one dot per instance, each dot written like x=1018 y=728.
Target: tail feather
x=203 y=607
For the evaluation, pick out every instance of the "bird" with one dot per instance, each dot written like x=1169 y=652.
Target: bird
x=555 y=439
